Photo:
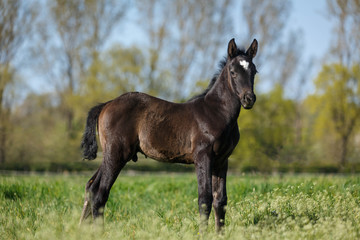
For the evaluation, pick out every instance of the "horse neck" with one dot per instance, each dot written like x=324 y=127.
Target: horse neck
x=223 y=98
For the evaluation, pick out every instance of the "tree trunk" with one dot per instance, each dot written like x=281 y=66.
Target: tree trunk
x=2 y=128
x=344 y=150
x=3 y=132
x=2 y=145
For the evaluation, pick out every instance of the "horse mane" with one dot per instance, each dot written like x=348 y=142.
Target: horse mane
x=222 y=64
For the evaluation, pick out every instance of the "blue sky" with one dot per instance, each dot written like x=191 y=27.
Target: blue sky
x=310 y=16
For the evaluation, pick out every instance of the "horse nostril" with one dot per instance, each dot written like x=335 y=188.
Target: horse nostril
x=248 y=98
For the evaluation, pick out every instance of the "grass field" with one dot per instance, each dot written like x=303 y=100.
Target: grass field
x=165 y=207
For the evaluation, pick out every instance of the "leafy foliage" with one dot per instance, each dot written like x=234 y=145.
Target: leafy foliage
x=268 y=133
x=336 y=107
x=70 y=49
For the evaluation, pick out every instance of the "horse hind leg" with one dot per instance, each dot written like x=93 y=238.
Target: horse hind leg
x=98 y=187
x=87 y=208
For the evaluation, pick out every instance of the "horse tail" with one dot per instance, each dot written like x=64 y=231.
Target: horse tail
x=88 y=143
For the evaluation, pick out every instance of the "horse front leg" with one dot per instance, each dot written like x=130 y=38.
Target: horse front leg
x=205 y=197
x=219 y=193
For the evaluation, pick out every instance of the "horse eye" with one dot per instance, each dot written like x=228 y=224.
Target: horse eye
x=233 y=74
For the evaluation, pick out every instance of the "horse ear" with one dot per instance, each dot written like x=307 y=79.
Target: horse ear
x=232 y=48
x=252 y=50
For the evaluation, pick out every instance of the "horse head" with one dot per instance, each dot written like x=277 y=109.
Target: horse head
x=241 y=72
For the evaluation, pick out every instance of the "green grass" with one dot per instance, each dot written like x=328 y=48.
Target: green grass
x=165 y=207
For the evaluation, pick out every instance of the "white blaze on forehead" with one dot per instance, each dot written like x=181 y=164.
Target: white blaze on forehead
x=244 y=64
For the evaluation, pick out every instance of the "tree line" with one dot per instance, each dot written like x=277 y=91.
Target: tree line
x=69 y=47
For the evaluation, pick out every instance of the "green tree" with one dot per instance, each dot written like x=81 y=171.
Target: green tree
x=77 y=31
x=39 y=134
x=271 y=133
x=336 y=105
x=267 y=132
x=15 y=27
x=334 y=114
x=116 y=71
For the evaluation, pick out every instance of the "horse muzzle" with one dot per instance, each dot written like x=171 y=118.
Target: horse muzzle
x=248 y=100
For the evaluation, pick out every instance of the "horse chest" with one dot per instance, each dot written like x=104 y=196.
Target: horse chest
x=224 y=145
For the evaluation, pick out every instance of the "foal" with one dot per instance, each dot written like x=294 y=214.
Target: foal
x=202 y=131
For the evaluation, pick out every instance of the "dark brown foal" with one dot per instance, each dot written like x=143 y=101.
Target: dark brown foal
x=202 y=131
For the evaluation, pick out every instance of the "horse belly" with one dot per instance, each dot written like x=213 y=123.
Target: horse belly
x=166 y=147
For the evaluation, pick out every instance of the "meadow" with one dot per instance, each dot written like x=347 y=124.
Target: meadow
x=164 y=206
